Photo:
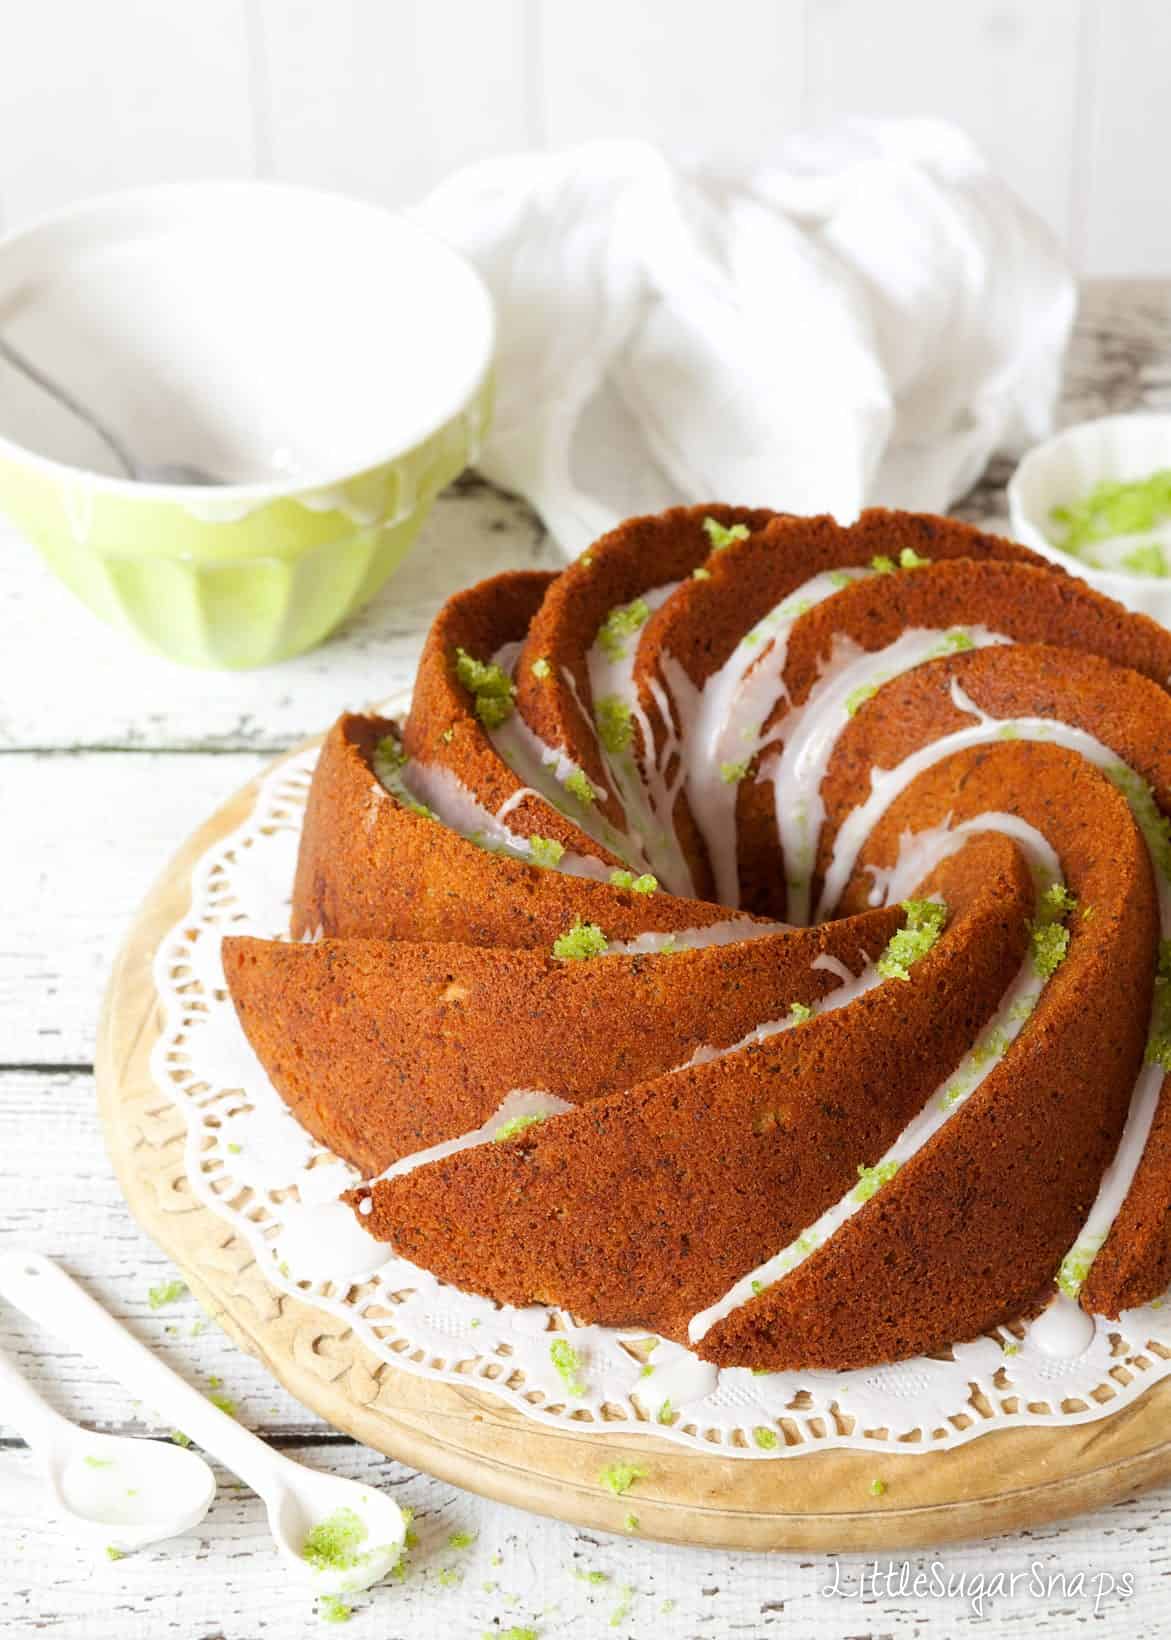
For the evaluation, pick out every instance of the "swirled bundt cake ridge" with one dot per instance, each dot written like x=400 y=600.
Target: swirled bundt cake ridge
x=792 y=1146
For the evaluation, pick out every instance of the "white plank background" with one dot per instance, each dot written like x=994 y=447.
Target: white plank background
x=108 y=758
x=1070 y=99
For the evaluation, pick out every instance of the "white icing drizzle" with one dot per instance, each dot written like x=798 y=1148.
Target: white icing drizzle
x=520 y=1102
x=1005 y=1025
x=851 y=987
x=730 y=932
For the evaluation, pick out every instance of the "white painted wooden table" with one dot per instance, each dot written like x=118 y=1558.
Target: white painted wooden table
x=109 y=759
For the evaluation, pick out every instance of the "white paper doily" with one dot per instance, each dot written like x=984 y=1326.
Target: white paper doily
x=251 y=1163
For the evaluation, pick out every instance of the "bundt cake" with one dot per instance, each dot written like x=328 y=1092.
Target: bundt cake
x=780 y=913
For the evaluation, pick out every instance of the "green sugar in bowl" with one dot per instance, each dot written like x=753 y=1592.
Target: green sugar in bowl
x=1097 y=500
x=327 y=364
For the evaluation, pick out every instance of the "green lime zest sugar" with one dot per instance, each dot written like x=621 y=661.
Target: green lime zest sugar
x=1149 y=559
x=988 y=1048
x=1010 y=1348
x=114 y=1553
x=331 y=1608
x=800 y=1011
x=839 y=578
x=766 y=1439
x=622 y=1610
x=583 y=940
x=567 y=1363
x=721 y=535
x=645 y=884
x=910 y=559
x=882 y=565
x=233 y=1150
x=91 y=1462
x=448 y=735
x=615 y=723
x=1158 y=1049
x=956 y=642
x=225 y=1404
x=166 y=1292
x=179 y=1439
x=858 y=697
x=489 y=684
x=1075 y=1267
x=620 y=1477
x=877 y=1487
x=514 y=1633
x=389 y=761
x=872 y=1179
x=757 y=1288
x=732 y=773
x=593 y=1578
x=515 y=1125
x=1115 y=508
x=461 y=1540
x=1150 y=819
x=332 y=1545
x=924 y=924
x=701 y=574
x=630 y=1521
x=579 y=785
x=540 y=668
x=666 y=1413
x=546 y=851
x=621 y=623
x=1048 y=935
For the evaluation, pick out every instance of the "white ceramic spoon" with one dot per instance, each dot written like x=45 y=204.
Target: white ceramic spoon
x=123 y=1491
x=352 y=1534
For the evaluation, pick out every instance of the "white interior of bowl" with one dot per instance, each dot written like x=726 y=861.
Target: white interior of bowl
x=276 y=337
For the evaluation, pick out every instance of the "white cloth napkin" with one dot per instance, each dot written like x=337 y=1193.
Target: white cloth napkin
x=865 y=319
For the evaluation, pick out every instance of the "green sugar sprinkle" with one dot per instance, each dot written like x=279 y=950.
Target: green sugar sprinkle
x=546 y=851
x=1150 y=819
x=877 y=1487
x=389 y=754
x=620 y=1477
x=593 y=1578
x=579 y=785
x=858 y=697
x=331 y=1608
x=1048 y=936
x=800 y=1011
x=225 y=1404
x=491 y=686
x=515 y=1125
x=623 y=621
x=1115 y=508
x=540 y=668
x=732 y=773
x=766 y=1439
x=1158 y=1050
x=567 y=1362
x=91 y=1462
x=757 y=1288
x=956 y=642
x=882 y=565
x=630 y=1522
x=615 y=724
x=461 y=1540
x=666 y=1413
x=113 y=1553
x=178 y=1437
x=165 y=1293
x=646 y=884
x=1010 y=1348
x=721 y=535
x=332 y=1545
x=910 y=559
x=583 y=940
x=872 y=1179
x=1075 y=1267
x=622 y=1610
x=701 y=574
x=448 y=736
x=924 y=924
x=449 y=1577
x=839 y=578
x=233 y=1150
x=514 y=1633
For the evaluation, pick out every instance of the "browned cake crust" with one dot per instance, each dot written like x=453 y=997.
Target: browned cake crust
x=384 y=1048
x=436 y=991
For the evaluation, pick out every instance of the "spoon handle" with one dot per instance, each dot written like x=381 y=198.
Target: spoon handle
x=26 y=1411
x=47 y=1295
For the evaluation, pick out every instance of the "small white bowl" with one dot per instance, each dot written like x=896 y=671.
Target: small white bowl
x=1065 y=469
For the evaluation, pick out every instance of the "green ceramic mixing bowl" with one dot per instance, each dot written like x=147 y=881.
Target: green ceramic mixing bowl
x=328 y=362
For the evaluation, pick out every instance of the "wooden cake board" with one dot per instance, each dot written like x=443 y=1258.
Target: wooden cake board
x=1000 y=1482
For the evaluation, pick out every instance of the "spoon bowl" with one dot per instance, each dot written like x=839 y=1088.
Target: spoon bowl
x=340 y=1535
x=129 y=1492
